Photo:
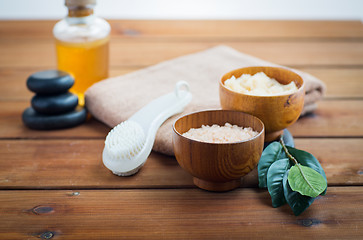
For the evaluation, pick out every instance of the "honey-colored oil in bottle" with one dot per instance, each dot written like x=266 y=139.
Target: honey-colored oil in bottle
x=82 y=45
x=87 y=62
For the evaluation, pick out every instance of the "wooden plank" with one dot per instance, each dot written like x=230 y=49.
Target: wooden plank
x=131 y=52
x=12 y=81
x=333 y=118
x=10 y=116
x=160 y=202
x=75 y=164
x=284 y=53
x=200 y=28
x=176 y=214
x=340 y=82
x=340 y=158
x=240 y=29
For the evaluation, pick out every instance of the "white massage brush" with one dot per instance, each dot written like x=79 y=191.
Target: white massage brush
x=129 y=144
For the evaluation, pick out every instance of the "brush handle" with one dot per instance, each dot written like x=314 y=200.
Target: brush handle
x=148 y=120
x=151 y=116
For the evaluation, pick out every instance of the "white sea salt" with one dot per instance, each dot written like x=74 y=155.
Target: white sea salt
x=260 y=85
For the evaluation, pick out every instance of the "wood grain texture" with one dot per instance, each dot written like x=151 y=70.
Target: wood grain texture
x=12 y=81
x=335 y=118
x=276 y=112
x=176 y=214
x=332 y=118
x=77 y=164
x=10 y=116
x=340 y=82
x=214 y=166
x=341 y=158
x=307 y=30
x=135 y=52
x=69 y=164
x=161 y=202
x=246 y=29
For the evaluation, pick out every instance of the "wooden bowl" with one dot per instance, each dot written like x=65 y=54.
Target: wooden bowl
x=276 y=112
x=217 y=166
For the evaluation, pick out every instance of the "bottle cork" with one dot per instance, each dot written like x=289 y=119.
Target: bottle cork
x=76 y=3
x=80 y=8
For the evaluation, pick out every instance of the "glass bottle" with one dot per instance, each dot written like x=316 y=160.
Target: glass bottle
x=82 y=45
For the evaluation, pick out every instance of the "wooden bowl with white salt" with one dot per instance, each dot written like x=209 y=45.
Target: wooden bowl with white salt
x=218 y=156
x=277 y=111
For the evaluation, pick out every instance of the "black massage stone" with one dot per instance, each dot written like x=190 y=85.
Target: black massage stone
x=54 y=104
x=50 y=82
x=38 y=121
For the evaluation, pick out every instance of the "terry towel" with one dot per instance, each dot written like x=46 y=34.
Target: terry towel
x=115 y=99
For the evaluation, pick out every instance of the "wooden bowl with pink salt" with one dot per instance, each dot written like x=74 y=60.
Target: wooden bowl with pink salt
x=218 y=147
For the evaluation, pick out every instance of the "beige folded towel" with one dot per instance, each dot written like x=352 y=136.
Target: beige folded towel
x=114 y=100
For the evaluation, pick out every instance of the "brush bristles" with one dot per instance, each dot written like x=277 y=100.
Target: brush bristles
x=125 y=141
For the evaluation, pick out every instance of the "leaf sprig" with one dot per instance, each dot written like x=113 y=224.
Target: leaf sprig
x=291 y=175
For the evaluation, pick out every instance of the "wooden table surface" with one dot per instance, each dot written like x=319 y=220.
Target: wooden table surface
x=53 y=184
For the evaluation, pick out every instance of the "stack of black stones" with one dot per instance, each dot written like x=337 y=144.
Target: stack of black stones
x=53 y=106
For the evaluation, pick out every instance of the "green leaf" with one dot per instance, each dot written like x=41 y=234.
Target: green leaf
x=297 y=202
x=275 y=175
x=308 y=160
x=269 y=155
x=306 y=181
x=288 y=139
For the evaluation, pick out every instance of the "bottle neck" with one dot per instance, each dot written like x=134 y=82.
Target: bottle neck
x=80 y=15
